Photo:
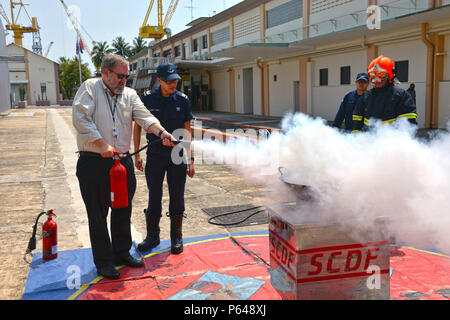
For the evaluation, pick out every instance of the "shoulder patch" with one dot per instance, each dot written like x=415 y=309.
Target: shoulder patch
x=147 y=93
x=181 y=94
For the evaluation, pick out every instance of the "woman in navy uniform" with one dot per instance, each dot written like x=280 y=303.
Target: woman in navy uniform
x=172 y=108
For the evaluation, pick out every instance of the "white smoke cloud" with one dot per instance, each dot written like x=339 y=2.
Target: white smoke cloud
x=386 y=172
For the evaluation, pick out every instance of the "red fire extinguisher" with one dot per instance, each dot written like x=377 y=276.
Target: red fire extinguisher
x=49 y=237
x=118 y=182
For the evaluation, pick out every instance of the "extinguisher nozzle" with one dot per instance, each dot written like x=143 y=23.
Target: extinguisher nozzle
x=31 y=244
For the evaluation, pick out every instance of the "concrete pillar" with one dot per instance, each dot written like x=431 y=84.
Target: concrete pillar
x=232 y=32
x=262 y=25
x=306 y=14
x=27 y=72
x=371 y=53
x=303 y=77
x=439 y=60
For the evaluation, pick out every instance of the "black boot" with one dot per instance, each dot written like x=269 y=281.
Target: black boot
x=152 y=239
x=176 y=236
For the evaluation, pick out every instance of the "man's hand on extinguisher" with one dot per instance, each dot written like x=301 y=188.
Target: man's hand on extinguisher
x=167 y=139
x=107 y=151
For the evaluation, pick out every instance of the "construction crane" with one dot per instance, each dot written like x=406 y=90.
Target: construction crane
x=75 y=24
x=160 y=31
x=17 y=29
x=48 y=49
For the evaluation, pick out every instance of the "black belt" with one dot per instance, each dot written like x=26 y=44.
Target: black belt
x=94 y=154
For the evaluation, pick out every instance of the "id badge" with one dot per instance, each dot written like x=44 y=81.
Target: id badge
x=115 y=133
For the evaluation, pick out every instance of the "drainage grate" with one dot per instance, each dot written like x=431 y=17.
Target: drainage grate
x=237 y=216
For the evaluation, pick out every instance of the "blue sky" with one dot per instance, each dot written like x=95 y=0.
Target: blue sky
x=104 y=20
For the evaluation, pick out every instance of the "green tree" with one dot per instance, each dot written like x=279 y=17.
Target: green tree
x=139 y=44
x=69 y=75
x=99 y=51
x=121 y=47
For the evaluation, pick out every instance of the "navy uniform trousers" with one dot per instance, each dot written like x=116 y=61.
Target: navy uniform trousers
x=155 y=169
x=93 y=176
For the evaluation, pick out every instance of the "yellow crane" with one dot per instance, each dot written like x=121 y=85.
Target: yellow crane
x=17 y=29
x=160 y=31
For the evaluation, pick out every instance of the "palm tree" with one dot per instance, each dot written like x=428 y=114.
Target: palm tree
x=139 y=44
x=121 y=47
x=99 y=51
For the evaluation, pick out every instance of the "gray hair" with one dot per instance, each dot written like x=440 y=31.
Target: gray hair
x=110 y=61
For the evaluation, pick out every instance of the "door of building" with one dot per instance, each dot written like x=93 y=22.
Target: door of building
x=248 y=90
x=296 y=96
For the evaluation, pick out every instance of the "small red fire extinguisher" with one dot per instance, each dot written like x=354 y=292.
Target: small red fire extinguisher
x=118 y=182
x=49 y=237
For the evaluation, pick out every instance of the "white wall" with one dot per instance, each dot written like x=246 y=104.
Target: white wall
x=447 y=58
x=225 y=44
x=340 y=10
x=398 y=8
x=444 y=88
x=200 y=50
x=282 y=91
x=42 y=71
x=5 y=88
x=444 y=104
x=221 y=95
x=415 y=52
x=325 y=100
x=287 y=32
x=247 y=27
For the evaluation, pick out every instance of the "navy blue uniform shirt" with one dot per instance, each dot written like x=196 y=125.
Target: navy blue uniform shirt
x=346 y=110
x=172 y=113
x=386 y=104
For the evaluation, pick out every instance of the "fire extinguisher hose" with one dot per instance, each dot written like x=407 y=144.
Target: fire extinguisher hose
x=32 y=241
x=185 y=144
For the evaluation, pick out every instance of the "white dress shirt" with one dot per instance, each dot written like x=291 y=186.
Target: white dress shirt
x=96 y=114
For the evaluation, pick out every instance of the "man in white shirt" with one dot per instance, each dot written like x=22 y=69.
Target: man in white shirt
x=102 y=114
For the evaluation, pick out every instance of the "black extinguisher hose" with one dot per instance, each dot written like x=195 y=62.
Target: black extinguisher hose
x=32 y=241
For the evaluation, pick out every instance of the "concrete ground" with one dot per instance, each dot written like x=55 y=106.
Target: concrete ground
x=37 y=173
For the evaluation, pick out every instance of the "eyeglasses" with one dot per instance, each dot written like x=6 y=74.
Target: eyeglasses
x=120 y=75
x=380 y=75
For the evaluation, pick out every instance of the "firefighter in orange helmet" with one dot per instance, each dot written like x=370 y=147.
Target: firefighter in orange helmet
x=385 y=102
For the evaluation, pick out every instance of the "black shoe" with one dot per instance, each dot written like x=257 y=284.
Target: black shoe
x=176 y=236
x=108 y=272
x=152 y=239
x=129 y=261
x=148 y=244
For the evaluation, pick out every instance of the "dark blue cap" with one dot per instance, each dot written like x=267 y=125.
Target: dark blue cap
x=167 y=71
x=362 y=76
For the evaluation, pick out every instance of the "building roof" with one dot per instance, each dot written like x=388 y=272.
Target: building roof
x=13 y=44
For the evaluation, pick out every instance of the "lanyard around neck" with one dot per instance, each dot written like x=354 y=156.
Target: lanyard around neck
x=111 y=108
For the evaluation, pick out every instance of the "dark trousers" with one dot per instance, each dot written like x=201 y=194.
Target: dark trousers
x=93 y=176
x=155 y=170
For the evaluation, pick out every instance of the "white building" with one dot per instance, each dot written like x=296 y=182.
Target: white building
x=5 y=90
x=272 y=57
x=38 y=75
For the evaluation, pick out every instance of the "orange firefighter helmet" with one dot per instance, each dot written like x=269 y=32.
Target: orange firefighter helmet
x=380 y=67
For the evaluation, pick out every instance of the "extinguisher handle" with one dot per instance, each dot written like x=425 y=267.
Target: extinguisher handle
x=50 y=213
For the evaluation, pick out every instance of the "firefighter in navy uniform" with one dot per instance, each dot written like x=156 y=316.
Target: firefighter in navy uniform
x=172 y=108
x=345 y=112
x=385 y=102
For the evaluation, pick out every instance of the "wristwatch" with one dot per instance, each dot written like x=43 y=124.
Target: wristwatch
x=161 y=132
